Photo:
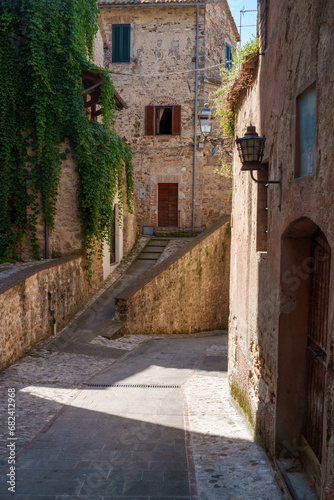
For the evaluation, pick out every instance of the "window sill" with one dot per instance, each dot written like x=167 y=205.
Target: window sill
x=303 y=177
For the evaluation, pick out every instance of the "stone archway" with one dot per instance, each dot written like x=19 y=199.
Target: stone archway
x=302 y=346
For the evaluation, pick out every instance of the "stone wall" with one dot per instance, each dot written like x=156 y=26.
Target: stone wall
x=130 y=230
x=267 y=341
x=65 y=238
x=27 y=297
x=163 y=40
x=186 y=293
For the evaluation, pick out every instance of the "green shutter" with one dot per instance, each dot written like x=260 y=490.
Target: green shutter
x=228 y=65
x=121 y=42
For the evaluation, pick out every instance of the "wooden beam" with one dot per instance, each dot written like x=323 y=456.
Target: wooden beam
x=89 y=89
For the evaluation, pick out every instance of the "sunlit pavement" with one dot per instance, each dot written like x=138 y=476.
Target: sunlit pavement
x=155 y=424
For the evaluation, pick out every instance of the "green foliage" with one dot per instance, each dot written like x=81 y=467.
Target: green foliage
x=44 y=49
x=225 y=108
x=225 y=170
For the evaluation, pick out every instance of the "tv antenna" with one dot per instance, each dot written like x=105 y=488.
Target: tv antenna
x=242 y=12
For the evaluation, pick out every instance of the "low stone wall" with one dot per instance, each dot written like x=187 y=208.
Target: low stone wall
x=186 y=293
x=28 y=297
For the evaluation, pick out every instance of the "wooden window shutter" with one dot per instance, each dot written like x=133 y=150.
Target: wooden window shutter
x=176 y=117
x=126 y=43
x=228 y=61
x=116 y=30
x=149 y=120
x=121 y=42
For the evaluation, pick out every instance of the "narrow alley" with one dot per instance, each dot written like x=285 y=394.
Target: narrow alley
x=166 y=250
x=140 y=417
x=156 y=424
x=100 y=414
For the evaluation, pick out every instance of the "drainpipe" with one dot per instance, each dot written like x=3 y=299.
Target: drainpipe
x=195 y=122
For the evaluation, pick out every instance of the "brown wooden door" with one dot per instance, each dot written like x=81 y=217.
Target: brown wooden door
x=167 y=205
x=113 y=239
x=317 y=342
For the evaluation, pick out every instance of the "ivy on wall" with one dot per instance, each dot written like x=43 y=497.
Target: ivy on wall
x=235 y=76
x=45 y=46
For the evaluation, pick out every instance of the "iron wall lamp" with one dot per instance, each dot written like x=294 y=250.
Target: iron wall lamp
x=250 y=149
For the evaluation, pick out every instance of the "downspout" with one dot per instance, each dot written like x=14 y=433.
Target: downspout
x=195 y=121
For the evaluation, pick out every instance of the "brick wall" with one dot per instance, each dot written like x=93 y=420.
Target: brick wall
x=187 y=292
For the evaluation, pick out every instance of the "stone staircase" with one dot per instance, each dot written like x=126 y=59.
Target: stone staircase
x=153 y=249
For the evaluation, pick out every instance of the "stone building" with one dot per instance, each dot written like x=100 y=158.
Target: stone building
x=153 y=49
x=37 y=299
x=65 y=237
x=281 y=343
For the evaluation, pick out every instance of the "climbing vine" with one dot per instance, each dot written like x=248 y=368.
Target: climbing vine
x=233 y=81
x=45 y=46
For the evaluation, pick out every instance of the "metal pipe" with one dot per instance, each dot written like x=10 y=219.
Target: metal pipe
x=195 y=120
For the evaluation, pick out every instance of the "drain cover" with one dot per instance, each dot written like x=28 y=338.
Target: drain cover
x=139 y=386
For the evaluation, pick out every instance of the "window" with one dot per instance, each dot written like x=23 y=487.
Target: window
x=305 y=143
x=229 y=57
x=121 y=43
x=163 y=120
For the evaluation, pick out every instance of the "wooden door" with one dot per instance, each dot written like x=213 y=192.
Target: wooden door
x=113 y=239
x=168 y=205
x=317 y=343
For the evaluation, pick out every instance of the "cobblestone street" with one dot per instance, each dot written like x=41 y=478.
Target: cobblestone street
x=139 y=417
x=155 y=424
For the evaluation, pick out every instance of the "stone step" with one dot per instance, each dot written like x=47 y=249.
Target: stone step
x=157 y=243
x=111 y=329
x=153 y=249
x=149 y=256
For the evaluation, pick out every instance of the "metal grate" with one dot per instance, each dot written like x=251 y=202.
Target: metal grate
x=139 y=386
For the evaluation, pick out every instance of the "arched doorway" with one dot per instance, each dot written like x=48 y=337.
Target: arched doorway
x=303 y=346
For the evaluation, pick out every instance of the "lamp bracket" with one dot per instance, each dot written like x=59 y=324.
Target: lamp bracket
x=280 y=168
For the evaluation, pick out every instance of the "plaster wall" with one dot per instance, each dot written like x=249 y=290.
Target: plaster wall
x=299 y=52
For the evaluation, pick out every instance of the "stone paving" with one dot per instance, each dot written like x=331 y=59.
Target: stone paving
x=140 y=418
x=164 y=429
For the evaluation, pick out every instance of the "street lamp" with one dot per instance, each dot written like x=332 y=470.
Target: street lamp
x=250 y=149
x=205 y=119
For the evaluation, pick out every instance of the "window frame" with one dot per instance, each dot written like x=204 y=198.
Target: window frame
x=117 y=45
x=151 y=119
x=298 y=149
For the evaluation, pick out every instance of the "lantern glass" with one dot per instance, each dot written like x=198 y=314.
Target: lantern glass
x=205 y=125
x=250 y=149
x=205 y=119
